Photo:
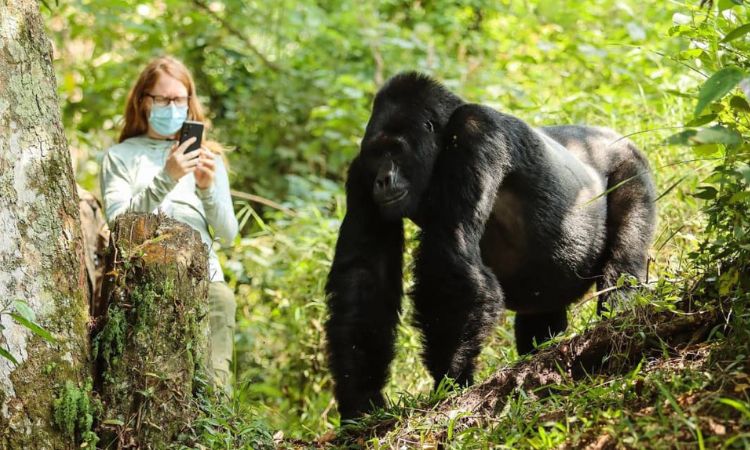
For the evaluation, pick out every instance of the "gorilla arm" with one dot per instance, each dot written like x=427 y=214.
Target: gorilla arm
x=457 y=298
x=364 y=296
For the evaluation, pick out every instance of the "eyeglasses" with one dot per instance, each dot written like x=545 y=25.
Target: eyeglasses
x=161 y=100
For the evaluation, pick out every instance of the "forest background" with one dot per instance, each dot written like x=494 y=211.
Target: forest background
x=289 y=86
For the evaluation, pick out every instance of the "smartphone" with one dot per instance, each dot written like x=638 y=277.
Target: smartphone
x=190 y=129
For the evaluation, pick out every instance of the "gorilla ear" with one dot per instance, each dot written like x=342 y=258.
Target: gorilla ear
x=428 y=125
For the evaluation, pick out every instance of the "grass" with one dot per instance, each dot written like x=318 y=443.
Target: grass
x=693 y=396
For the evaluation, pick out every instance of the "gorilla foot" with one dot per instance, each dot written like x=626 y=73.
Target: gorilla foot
x=354 y=408
x=538 y=328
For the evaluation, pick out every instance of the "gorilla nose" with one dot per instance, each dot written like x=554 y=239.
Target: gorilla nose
x=384 y=182
x=386 y=178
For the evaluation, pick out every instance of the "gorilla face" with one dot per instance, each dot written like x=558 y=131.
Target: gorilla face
x=402 y=140
x=399 y=162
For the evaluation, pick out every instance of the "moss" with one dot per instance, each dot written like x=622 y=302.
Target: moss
x=49 y=368
x=74 y=411
x=167 y=288
x=138 y=316
x=143 y=297
x=37 y=379
x=110 y=341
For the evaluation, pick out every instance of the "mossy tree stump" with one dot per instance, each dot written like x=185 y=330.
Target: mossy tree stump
x=151 y=340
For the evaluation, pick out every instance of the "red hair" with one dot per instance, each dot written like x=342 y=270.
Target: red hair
x=136 y=118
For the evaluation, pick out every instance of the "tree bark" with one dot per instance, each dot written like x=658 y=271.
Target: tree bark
x=152 y=341
x=41 y=252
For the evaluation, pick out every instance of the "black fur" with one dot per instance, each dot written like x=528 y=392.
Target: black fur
x=508 y=217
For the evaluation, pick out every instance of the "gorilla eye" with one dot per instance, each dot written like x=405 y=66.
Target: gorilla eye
x=428 y=125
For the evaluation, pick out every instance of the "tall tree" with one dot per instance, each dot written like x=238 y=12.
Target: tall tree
x=41 y=266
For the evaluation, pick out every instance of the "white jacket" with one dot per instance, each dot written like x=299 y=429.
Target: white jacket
x=133 y=179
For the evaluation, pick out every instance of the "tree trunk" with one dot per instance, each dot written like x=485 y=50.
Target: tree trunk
x=152 y=341
x=41 y=250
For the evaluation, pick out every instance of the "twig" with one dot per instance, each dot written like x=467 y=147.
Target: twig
x=238 y=34
x=263 y=201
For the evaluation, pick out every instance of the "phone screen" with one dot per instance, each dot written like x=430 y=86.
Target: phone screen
x=192 y=129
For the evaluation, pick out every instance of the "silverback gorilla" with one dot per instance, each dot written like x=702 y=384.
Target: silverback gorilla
x=509 y=215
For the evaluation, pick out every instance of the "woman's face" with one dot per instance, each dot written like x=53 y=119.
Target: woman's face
x=166 y=86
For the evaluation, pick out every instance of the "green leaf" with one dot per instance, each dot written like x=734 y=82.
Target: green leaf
x=717 y=86
x=681 y=138
x=744 y=170
x=706 y=193
x=702 y=120
x=34 y=328
x=677 y=93
x=738 y=103
x=728 y=281
x=706 y=150
x=113 y=422
x=737 y=33
x=705 y=139
x=739 y=197
x=716 y=135
x=690 y=54
x=739 y=406
x=727 y=4
x=6 y=354
x=24 y=310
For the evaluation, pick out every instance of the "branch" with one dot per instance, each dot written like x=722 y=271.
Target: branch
x=238 y=34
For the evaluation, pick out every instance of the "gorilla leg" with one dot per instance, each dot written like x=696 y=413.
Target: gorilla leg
x=630 y=219
x=456 y=296
x=539 y=327
x=364 y=296
x=361 y=338
x=457 y=300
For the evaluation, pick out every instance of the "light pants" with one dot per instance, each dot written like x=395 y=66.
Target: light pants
x=221 y=321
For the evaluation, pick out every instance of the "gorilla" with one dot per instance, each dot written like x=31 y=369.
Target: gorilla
x=509 y=215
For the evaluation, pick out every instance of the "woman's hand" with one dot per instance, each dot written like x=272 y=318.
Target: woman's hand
x=179 y=163
x=205 y=170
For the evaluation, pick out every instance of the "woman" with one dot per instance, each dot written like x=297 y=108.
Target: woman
x=148 y=171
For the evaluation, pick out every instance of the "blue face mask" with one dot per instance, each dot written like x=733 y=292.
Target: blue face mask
x=167 y=120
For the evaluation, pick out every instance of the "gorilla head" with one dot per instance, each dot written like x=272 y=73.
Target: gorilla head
x=402 y=140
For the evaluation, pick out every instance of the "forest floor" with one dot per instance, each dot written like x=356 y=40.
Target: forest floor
x=644 y=379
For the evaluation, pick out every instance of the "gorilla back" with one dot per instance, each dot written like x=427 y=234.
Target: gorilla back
x=509 y=215
x=546 y=234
